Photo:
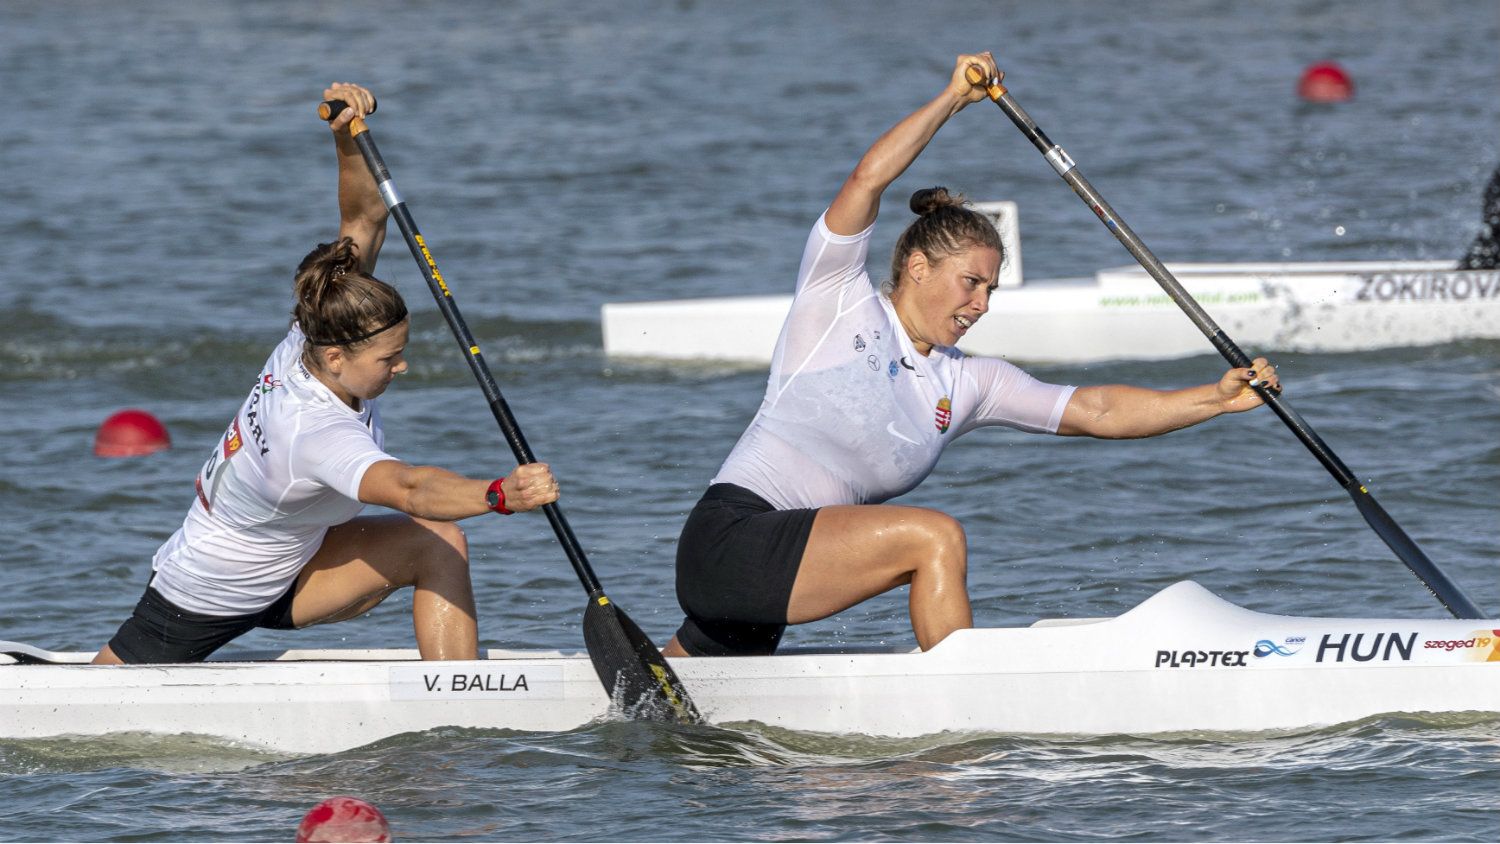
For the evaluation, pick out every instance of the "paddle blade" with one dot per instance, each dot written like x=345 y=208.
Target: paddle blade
x=632 y=670
x=1406 y=549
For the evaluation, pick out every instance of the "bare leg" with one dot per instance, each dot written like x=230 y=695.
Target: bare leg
x=364 y=560
x=106 y=656
x=856 y=552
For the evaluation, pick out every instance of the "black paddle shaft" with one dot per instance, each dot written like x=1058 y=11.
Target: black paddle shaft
x=630 y=666
x=507 y=420
x=1405 y=547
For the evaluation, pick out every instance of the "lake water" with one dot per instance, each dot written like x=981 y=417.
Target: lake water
x=162 y=171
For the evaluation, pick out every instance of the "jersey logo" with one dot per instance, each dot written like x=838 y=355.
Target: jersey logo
x=893 y=370
x=944 y=414
x=207 y=482
x=874 y=363
x=232 y=439
x=254 y=412
x=859 y=343
x=202 y=496
x=890 y=428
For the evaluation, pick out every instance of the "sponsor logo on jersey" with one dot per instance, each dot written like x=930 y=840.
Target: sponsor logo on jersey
x=893 y=370
x=207 y=482
x=253 y=413
x=202 y=496
x=890 y=428
x=233 y=441
x=859 y=343
x=874 y=363
x=944 y=414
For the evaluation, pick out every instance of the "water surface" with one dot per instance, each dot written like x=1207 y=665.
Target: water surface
x=163 y=172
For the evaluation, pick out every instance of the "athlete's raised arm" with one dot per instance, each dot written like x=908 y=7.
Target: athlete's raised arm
x=362 y=213
x=858 y=201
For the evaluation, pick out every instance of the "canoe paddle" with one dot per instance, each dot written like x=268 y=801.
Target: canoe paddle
x=631 y=668
x=1438 y=583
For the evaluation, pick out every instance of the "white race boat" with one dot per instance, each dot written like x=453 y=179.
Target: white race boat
x=1122 y=313
x=1183 y=660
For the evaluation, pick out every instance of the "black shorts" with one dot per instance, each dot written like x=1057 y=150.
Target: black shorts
x=736 y=562
x=159 y=631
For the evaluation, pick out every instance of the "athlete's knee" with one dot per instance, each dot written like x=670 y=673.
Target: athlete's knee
x=945 y=545
x=434 y=538
x=433 y=549
x=942 y=534
x=453 y=536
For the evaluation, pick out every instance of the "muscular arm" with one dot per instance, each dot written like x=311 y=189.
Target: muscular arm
x=858 y=201
x=429 y=492
x=1117 y=411
x=362 y=213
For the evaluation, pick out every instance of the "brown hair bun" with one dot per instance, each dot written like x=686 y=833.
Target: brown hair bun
x=338 y=304
x=930 y=200
x=945 y=225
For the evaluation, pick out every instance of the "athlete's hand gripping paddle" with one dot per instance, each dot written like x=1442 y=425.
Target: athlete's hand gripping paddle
x=1446 y=590
x=632 y=669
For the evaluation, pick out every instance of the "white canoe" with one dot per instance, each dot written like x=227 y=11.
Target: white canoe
x=1183 y=660
x=1121 y=313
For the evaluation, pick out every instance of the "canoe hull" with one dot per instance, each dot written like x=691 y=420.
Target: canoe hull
x=1184 y=660
x=1121 y=314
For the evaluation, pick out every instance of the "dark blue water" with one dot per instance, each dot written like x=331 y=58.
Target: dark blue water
x=162 y=170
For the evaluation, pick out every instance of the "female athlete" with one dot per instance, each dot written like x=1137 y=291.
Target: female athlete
x=866 y=390
x=274 y=538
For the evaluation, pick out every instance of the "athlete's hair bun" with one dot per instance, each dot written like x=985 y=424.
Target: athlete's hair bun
x=337 y=258
x=930 y=200
x=338 y=304
x=944 y=226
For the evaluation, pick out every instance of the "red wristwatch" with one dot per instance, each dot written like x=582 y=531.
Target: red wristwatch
x=495 y=497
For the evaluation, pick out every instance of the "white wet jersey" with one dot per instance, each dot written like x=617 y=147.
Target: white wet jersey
x=287 y=469
x=852 y=414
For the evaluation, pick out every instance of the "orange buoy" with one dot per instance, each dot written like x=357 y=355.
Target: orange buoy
x=1325 y=82
x=130 y=433
x=343 y=819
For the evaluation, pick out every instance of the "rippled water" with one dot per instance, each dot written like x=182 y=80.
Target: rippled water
x=163 y=171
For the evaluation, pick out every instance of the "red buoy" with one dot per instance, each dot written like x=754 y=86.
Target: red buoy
x=130 y=433
x=344 y=819
x=1325 y=82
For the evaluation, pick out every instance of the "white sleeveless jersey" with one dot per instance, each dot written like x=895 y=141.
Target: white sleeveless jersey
x=852 y=414
x=287 y=469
